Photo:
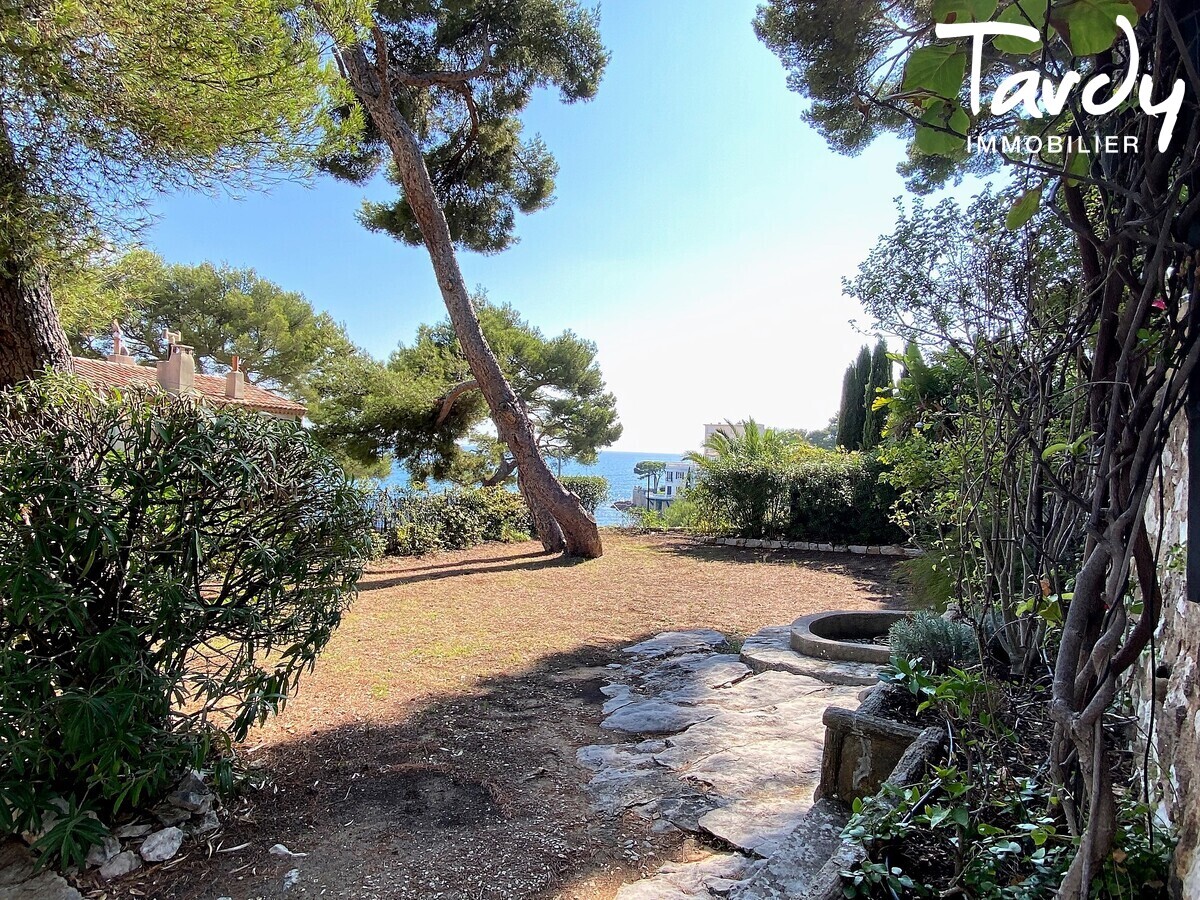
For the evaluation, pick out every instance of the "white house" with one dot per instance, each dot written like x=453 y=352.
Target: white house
x=675 y=478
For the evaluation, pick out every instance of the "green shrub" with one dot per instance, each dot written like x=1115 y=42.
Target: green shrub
x=592 y=490
x=940 y=642
x=749 y=496
x=170 y=571
x=840 y=498
x=820 y=496
x=413 y=523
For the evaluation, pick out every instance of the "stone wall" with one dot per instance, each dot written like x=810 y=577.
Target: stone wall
x=1166 y=686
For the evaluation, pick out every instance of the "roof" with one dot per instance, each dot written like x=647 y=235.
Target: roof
x=103 y=374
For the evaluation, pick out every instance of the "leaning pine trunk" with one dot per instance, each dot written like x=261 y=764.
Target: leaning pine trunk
x=546 y=497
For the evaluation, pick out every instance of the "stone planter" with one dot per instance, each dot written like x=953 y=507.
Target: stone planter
x=925 y=747
x=862 y=748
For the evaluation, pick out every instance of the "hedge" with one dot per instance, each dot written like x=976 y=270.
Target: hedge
x=833 y=497
x=413 y=523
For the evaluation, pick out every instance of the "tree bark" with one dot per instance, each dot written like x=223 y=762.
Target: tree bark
x=31 y=338
x=545 y=495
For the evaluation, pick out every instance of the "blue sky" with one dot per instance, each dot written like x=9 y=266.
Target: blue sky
x=699 y=238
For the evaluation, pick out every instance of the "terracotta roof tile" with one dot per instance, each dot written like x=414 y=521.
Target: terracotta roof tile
x=104 y=374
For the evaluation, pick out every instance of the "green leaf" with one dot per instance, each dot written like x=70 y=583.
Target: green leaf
x=1023 y=12
x=1090 y=26
x=963 y=10
x=932 y=140
x=1079 y=165
x=1023 y=210
x=938 y=69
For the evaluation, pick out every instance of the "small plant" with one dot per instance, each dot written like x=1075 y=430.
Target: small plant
x=940 y=642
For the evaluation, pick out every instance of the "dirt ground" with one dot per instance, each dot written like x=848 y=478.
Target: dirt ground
x=432 y=751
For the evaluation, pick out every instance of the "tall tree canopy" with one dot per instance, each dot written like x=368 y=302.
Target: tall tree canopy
x=443 y=85
x=101 y=104
x=424 y=408
x=279 y=339
x=874 y=66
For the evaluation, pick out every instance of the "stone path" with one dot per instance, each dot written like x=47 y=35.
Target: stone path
x=707 y=746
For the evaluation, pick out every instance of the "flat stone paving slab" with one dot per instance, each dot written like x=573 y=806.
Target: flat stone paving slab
x=791 y=868
x=670 y=643
x=714 y=876
x=771 y=650
x=732 y=755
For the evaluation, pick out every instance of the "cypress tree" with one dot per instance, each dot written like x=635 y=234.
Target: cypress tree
x=845 y=421
x=880 y=378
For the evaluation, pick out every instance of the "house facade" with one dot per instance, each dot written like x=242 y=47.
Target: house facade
x=675 y=478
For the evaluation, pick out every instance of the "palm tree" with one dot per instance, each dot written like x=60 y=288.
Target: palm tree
x=748 y=441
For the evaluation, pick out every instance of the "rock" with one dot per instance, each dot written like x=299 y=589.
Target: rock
x=756 y=826
x=161 y=845
x=101 y=853
x=208 y=823
x=671 y=643
x=120 y=865
x=135 y=830
x=291 y=879
x=170 y=815
x=192 y=783
x=655 y=717
x=284 y=853
x=20 y=881
x=191 y=801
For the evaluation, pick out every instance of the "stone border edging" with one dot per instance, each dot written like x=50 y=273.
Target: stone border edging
x=857 y=549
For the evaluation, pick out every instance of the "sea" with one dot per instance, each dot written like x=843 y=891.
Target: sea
x=615 y=465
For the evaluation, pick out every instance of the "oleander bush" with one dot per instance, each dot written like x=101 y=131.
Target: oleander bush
x=413 y=523
x=169 y=572
x=592 y=490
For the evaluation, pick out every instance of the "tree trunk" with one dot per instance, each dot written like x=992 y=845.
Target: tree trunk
x=31 y=337
x=545 y=495
x=548 y=531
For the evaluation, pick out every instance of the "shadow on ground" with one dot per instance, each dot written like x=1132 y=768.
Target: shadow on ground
x=876 y=576
x=474 y=797
x=522 y=562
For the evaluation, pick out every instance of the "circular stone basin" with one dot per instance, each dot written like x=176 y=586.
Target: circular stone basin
x=845 y=635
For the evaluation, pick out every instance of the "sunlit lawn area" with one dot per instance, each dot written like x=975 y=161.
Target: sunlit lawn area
x=438 y=625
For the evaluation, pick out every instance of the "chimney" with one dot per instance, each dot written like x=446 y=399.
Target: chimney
x=235 y=382
x=119 y=355
x=177 y=373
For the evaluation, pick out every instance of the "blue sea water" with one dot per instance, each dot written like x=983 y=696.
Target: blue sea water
x=615 y=465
